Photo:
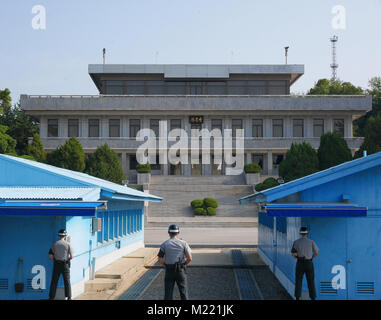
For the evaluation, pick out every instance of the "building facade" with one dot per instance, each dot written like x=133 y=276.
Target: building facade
x=254 y=98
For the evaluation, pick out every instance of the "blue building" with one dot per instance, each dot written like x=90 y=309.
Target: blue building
x=341 y=206
x=104 y=220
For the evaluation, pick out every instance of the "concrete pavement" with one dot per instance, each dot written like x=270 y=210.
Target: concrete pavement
x=212 y=237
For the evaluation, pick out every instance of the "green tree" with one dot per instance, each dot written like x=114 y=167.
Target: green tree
x=20 y=126
x=36 y=149
x=5 y=100
x=333 y=150
x=375 y=91
x=372 y=139
x=335 y=87
x=7 y=143
x=104 y=163
x=69 y=156
x=301 y=160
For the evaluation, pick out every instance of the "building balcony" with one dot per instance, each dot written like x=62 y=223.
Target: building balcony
x=250 y=144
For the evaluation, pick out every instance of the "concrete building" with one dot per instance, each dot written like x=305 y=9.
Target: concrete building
x=255 y=98
x=341 y=207
x=104 y=222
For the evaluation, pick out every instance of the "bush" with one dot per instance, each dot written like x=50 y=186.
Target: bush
x=267 y=184
x=210 y=202
x=197 y=204
x=301 y=160
x=104 y=163
x=36 y=149
x=143 y=168
x=333 y=150
x=252 y=168
x=200 y=212
x=211 y=211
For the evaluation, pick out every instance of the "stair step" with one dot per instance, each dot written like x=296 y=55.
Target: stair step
x=101 y=284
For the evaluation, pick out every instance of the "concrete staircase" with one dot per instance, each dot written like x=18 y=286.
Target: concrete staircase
x=124 y=271
x=178 y=192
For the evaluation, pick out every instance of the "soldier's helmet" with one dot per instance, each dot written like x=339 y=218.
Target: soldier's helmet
x=62 y=232
x=173 y=229
x=303 y=230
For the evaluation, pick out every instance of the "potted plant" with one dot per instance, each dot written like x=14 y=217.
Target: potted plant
x=252 y=173
x=144 y=173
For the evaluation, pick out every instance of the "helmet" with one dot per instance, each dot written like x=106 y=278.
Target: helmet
x=62 y=232
x=173 y=229
x=303 y=230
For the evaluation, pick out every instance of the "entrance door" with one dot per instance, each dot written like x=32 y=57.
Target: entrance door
x=363 y=262
x=196 y=169
x=175 y=170
x=216 y=168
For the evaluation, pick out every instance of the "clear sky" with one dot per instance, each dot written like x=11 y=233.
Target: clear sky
x=55 y=60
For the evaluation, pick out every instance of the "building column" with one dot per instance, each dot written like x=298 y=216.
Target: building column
x=124 y=163
x=269 y=163
x=103 y=127
x=267 y=127
x=63 y=127
x=248 y=157
x=43 y=127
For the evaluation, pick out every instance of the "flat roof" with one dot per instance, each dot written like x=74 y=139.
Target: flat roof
x=211 y=71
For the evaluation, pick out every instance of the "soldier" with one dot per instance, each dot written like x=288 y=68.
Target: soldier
x=175 y=254
x=61 y=253
x=304 y=250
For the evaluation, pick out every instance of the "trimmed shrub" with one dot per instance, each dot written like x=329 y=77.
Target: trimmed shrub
x=333 y=150
x=252 y=168
x=267 y=184
x=200 y=212
x=210 y=202
x=197 y=203
x=211 y=211
x=143 y=168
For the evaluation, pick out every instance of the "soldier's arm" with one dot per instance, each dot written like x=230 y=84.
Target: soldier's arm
x=315 y=250
x=160 y=256
x=71 y=253
x=189 y=258
x=51 y=254
x=294 y=252
x=188 y=254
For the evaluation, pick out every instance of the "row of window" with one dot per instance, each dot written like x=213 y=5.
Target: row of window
x=119 y=223
x=161 y=87
x=135 y=126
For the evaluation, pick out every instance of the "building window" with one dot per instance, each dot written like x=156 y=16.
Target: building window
x=135 y=87
x=175 y=124
x=236 y=124
x=277 y=87
x=278 y=128
x=217 y=124
x=154 y=126
x=114 y=128
x=114 y=87
x=338 y=126
x=298 y=128
x=257 y=128
x=93 y=128
x=73 y=128
x=258 y=159
x=134 y=127
x=155 y=87
x=237 y=87
x=176 y=87
x=218 y=88
x=52 y=127
x=157 y=165
x=256 y=87
x=195 y=88
x=133 y=162
x=318 y=127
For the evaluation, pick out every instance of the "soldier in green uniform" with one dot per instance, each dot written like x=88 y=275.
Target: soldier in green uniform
x=304 y=250
x=175 y=254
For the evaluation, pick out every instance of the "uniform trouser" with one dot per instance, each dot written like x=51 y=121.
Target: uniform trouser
x=305 y=267
x=59 y=268
x=173 y=276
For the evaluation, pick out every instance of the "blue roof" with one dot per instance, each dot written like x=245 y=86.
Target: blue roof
x=62 y=193
x=315 y=179
x=109 y=189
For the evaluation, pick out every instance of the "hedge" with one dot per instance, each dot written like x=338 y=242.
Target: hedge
x=200 y=212
x=267 y=184
x=252 y=168
x=143 y=168
x=211 y=211
x=197 y=203
x=210 y=202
